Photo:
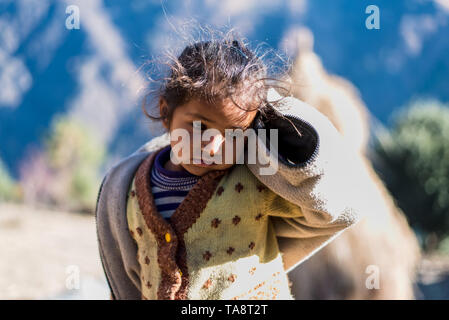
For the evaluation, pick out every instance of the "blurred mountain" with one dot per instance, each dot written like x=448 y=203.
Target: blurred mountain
x=92 y=72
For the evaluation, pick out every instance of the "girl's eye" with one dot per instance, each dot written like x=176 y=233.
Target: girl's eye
x=200 y=126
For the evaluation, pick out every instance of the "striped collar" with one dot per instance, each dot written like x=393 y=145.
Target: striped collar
x=168 y=179
x=161 y=159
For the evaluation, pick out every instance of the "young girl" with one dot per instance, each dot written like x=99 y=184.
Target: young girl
x=173 y=226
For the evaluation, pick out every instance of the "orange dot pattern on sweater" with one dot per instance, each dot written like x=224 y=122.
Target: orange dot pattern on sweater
x=230 y=250
x=133 y=193
x=148 y=284
x=207 y=284
x=147 y=260
x=252 y=245
x=236 y=220
x=260 y=188
x=232 y=278
x=259 y=216
x=139 y=231
x=238 y=187
x=270 y=292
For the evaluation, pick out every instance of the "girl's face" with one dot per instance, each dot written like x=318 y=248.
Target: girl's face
x=224 y=115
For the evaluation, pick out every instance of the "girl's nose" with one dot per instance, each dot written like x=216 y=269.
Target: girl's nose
x=214 y=143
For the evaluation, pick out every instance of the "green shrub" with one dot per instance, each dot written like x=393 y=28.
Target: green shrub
x=9 y=190
x=414 y=163
x=75 y=156
x=443 y=246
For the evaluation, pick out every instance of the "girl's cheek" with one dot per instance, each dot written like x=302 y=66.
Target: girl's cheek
x=238 y=152
x=236 y=149
x=182 y=147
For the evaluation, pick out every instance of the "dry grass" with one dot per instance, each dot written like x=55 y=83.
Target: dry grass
x=37 y=248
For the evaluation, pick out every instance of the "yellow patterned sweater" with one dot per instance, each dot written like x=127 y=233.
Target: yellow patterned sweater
x=220 y=243
x=238 y=232
x=227 y=245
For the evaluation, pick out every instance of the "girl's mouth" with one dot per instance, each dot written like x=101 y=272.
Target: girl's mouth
x=201 y=163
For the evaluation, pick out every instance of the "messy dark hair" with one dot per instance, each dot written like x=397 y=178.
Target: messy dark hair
x=219 y=69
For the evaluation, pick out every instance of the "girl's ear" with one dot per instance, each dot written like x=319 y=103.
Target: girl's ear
x=163 y=111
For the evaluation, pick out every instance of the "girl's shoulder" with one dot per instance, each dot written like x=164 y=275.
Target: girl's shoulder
x=241 y=181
